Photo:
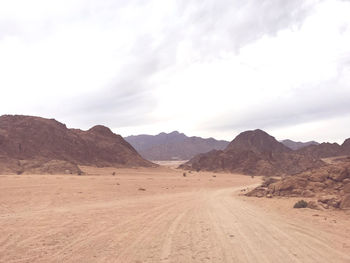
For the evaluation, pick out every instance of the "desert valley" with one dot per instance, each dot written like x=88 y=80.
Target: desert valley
x=68 y=195
x=178 y=131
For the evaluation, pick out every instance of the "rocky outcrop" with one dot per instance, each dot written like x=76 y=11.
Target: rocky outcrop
x=34 y=144
x=325 y=150
x=329 y=185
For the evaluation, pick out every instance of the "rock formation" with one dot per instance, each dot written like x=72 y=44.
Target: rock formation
x=254 y=153
x=29 y=144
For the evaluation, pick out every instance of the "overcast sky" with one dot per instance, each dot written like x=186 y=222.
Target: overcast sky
x=209 y=68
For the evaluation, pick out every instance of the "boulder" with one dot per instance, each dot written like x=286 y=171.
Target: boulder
x=313 y=205
x=346 y=188
x=326 y=198
x=318 y=177
x=339 y=175
x=308 y=193
x=330 y=200
x=345 y=202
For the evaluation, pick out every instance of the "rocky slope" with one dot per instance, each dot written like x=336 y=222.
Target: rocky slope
x=328 y=185
x=173 y=146
x=29 y=144
x=325 y=150
x=254 y=153
x=297 y=145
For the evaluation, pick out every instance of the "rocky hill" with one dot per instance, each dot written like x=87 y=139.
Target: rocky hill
x=297 y=145
x=29 y=144
x=328 y=186
x=254 y=153
x=173 y=146
x=326 y=149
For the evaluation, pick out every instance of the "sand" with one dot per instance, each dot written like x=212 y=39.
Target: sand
x=158 y=215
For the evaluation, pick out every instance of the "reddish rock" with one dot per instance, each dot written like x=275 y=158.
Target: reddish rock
x=346 y=188
x=313 y=205
x=43 y=142
x=254 y=153
x=345 y=202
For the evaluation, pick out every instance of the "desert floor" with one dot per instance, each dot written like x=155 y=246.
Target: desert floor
x=157 y=215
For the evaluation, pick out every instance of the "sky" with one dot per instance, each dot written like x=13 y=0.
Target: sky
x=210 y=68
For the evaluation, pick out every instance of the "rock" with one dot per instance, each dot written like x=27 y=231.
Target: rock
x=269 y=195
x=329 y=182
x=340 y=175
x=318 y=177
x=334 y=203
x=330 y=200
x=313 y=205
x=346 y=188
x=308 y=193
x=268 y=181
x=325 y=206
x=346 y=181
x=345 y=202
x=257 y=192
x=326 y=198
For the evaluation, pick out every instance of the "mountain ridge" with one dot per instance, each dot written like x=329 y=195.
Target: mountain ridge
x=255 y=153
x=173 y=145
x=36 y=140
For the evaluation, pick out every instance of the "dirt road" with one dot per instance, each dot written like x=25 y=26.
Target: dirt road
x=194 y=219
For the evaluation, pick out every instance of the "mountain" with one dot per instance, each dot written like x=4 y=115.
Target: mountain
x=28 y=142
x=297 y=145
x=254 y=153
x=326 y=149
x=322 y=150
x=257 y=141
x=172 y=146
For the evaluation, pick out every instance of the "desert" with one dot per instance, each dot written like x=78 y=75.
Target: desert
x=69 y=195
x=158 y=215
x=177 y=131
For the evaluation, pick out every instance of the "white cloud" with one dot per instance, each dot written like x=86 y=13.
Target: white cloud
x=208 y=68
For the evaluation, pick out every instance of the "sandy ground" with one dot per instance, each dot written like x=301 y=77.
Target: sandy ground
x=157 y=215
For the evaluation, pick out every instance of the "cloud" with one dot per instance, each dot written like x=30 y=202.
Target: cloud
x=195 y=66
x=304 y=105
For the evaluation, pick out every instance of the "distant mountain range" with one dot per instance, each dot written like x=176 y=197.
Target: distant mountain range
x=173 y=146
x=297 y=145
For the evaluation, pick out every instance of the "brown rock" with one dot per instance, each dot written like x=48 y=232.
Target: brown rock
x=46 y=141
x=326 y=198
x=313 y=205
x=308 y=193
x=346 y=181
x=316 y=177
x=345 y=203
x=254 y=153
x=346 y=188
x=339 y=176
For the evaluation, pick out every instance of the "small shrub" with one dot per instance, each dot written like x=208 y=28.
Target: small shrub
x=142 y=189
x=113 y=173
x=300 y=204
x=184 y=174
